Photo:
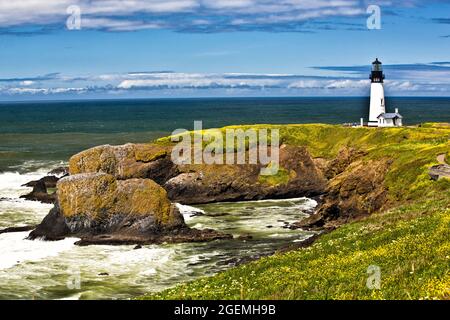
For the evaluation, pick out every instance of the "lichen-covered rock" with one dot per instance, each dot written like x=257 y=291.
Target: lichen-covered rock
x=99 y=194
x=97 y=207
x=146 y=161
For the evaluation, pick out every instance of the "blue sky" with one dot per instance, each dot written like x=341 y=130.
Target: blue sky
x=203 y=48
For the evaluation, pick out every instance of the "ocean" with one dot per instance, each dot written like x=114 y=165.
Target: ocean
x=38 y=136
x=33 y=133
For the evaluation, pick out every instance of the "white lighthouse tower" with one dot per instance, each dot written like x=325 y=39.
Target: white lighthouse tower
x=377 y=102
x=377 y=113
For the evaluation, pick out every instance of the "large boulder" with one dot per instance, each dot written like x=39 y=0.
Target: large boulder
x=98 y=208
x=145 y=161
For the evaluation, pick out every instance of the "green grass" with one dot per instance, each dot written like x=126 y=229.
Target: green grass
x=282 y=177
x=410 y=242
x=412 y=150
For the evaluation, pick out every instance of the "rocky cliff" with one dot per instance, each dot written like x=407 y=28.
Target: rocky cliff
x=357 y=191
x=118 y=194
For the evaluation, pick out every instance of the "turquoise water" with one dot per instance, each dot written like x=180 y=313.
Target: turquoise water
x=44 y=131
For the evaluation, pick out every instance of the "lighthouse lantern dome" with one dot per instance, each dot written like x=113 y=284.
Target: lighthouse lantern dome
x=376 y=65
x=377 y=75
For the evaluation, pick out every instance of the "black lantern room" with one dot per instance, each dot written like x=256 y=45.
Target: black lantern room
x=377 y=75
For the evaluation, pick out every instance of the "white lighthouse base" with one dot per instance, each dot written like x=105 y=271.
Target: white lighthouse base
x=377 y=103
x=373 y=124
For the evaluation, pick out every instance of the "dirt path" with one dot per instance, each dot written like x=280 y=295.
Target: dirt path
x=441 y=158
x=442 y=170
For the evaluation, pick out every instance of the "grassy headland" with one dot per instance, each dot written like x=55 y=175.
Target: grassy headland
x=409 y=239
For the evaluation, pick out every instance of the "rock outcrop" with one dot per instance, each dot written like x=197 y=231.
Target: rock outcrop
x=49 y=181
x=439 y=171
x=40 y=187
x=297 y=176
x=143 y=161
x=98 y=208
x=39 y=192
x=355 y=193
x=345 y=157
x=194 y=184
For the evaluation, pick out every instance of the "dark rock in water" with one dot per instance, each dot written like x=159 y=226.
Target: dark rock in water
x=49 y=181
x=102 y=210
x=269 y=227
x=40 y=187
x=59 y=171
x=52 y=228
x=245 y=237
x=17 y=229
x=172 y=236
x=137 y=247
x=40 y=193
x=221 y=214
x=197 y=214
x=103 y=274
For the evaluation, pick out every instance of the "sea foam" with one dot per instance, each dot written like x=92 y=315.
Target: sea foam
x=15 y=249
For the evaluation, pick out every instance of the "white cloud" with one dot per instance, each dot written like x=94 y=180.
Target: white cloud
x=185 y=80
x=117 y=25
x=126 y=15
x=346 y=84
x=49 y=11
x=27 y=83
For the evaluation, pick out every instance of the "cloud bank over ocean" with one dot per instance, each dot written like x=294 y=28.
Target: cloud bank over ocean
x=409 y=80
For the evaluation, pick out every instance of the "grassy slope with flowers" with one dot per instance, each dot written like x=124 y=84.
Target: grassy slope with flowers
x=410 y=242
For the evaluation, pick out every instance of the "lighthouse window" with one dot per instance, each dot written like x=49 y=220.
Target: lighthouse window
x=376 y=67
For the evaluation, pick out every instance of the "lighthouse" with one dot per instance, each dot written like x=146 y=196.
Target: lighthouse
x=377 y=113
x=377 y=102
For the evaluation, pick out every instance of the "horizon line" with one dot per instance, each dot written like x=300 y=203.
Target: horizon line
x=212 y=98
